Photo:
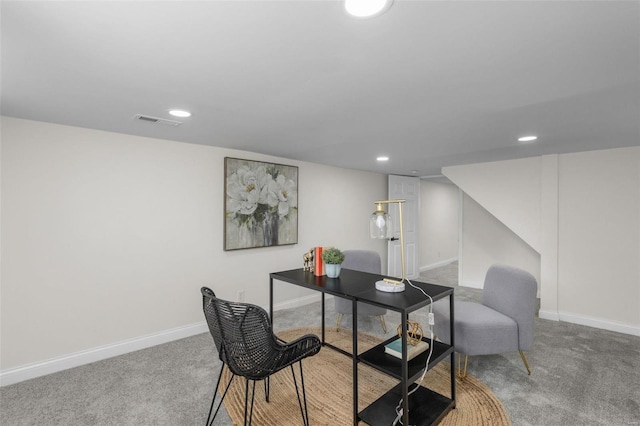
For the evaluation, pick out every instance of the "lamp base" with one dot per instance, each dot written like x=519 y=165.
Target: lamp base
x=389 y=287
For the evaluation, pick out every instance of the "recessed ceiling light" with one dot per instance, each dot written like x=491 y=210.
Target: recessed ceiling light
x=383 y=158
x=179 y=113
x=527 y=138
x=366 y=8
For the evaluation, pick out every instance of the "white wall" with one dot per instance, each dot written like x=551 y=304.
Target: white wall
x=107 y=238
x=485 y=241
x=599 y=248
x=438 y=224
x=515 y=200
x=589 y=242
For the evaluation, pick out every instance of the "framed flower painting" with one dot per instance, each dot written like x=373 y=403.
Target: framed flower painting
x=260 y=204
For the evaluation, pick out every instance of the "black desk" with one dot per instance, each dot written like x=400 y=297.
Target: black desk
x=427 y=407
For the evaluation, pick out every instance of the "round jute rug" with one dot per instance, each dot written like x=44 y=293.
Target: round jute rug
x=328 y=382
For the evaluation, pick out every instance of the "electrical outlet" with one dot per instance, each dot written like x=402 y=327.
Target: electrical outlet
x=241 y=296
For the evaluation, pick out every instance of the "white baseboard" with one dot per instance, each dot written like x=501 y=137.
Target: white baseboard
x=39 y=369
x=549 y=315
x=590 y=322
x=472 y=284
x=296 y=303
x=438 y=264
x=77 y=359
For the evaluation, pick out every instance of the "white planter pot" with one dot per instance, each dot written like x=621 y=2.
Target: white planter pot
x=333 y=270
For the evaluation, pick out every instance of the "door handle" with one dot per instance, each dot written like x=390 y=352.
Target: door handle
x=394 y=239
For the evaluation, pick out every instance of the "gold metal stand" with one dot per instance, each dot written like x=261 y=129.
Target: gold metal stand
x=526 y=364
x=383 y=324
x=462 y=374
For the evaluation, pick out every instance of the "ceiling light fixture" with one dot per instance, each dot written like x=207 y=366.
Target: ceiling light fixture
x=527 y=138
x=179 y=113
x=383 y=158
x=366 y=8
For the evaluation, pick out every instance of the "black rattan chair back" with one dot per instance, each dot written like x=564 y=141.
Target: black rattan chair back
x=246 y=344
x=210 y=314
x=242 y=333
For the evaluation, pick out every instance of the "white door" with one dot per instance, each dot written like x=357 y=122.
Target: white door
x=404 y=188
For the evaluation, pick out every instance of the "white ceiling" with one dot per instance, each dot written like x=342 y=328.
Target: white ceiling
x=429 y=83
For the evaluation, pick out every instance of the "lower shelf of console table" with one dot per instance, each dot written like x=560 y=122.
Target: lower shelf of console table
x=426 y=407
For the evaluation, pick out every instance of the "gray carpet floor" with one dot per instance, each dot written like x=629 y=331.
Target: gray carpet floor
x=580 y=376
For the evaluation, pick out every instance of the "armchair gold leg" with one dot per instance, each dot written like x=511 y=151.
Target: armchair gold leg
x=463 y=374
x=526 y=364
x=338 y=322
x=383 y=324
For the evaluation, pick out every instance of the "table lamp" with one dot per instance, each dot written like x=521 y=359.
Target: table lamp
x=380 y=227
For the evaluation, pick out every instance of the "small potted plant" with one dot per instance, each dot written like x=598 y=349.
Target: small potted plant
x=333 y=259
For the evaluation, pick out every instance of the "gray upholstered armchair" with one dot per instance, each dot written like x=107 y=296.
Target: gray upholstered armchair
x=502 y=323
x=364 y=261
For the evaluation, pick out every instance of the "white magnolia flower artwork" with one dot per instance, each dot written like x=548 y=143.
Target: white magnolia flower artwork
x=261 y=204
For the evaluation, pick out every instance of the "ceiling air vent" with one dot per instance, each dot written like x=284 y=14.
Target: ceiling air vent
x=156 y=120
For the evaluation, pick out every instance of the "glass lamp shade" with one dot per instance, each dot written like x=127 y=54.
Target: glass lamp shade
x=380 y=225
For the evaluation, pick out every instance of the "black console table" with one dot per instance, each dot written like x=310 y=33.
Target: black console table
x=423 y=407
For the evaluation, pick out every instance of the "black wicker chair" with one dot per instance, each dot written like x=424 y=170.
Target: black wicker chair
x=247 y=346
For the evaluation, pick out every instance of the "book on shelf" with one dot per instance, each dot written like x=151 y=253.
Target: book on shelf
x=394 y=348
